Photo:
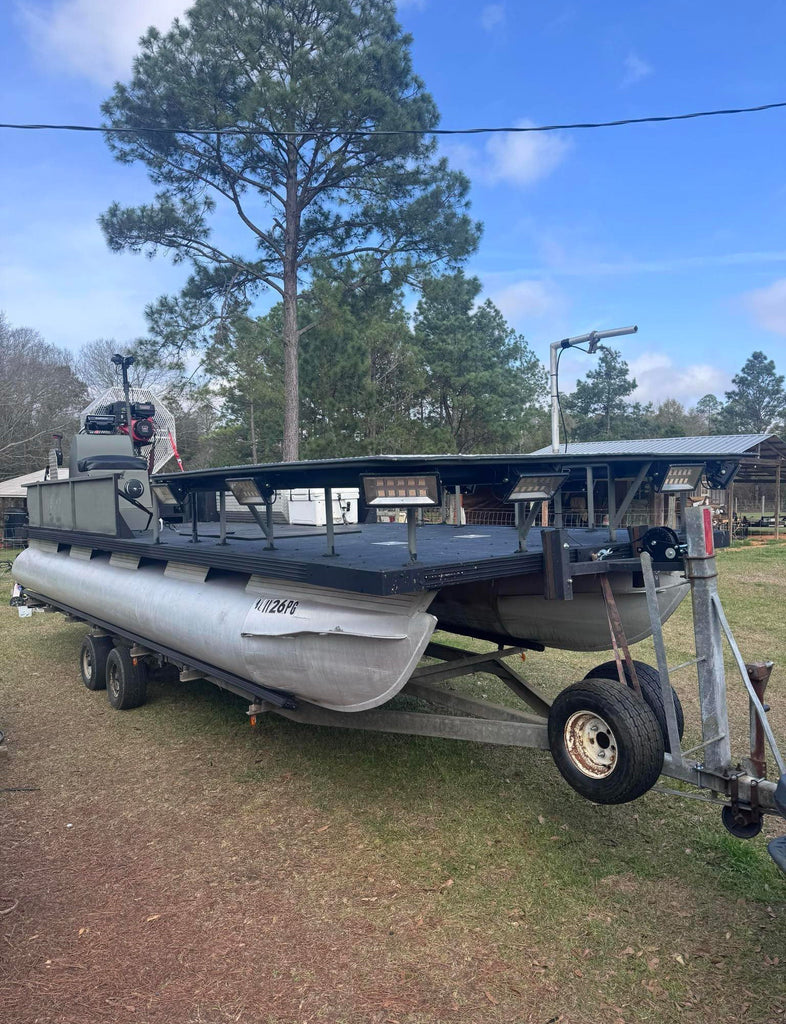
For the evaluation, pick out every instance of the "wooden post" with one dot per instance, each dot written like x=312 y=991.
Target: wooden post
x=778 y=501
x=657 y=509
x=611 y=488
x=590 y=498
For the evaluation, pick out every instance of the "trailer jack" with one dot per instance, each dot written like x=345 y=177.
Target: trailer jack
x=743 y=818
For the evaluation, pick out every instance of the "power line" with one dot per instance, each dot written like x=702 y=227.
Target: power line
x=331 y=132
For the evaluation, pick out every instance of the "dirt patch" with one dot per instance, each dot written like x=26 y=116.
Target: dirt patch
x=168 y=866
x=148 y=885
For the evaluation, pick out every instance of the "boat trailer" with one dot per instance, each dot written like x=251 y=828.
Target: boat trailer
x=609 y=744
x=740 y=785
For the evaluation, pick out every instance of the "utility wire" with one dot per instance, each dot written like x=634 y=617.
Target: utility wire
x=332 y=132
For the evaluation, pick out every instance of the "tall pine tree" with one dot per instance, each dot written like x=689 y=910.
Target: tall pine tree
x=303 y=82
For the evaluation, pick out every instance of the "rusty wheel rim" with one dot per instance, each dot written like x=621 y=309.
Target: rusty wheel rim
x=591 y=744
x=113 y=681
x=87 y=665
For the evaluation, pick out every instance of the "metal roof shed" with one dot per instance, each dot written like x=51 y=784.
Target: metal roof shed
x=760 y=457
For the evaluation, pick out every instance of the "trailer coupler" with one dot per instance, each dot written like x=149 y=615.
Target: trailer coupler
x=777 y=847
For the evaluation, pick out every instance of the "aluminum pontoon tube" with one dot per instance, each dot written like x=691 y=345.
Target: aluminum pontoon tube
x=343 y=651
x=514 y=609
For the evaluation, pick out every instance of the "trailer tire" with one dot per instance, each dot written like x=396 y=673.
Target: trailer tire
x=606 y=741
x=92 y=661
x=126 y=683
x=649 y=680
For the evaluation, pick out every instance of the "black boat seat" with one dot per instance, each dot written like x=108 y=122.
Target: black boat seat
x=777 y=847
x=108 y=462
x=780 y=795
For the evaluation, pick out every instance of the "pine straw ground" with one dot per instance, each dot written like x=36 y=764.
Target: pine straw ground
x=172 y=866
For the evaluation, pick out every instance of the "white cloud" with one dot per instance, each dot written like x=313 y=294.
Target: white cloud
x=635 y=69
x=96 y=39
x=768 y=306
x=659 y=378
x=491 y=16
x=526 y=157
x=525 y=300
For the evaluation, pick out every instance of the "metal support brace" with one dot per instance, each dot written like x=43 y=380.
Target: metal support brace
x=618 y=638
x=611 y=487
x=557 y=582
x=222 y=517
x=703 y=576
x=494 y=665
x=466 y=665
x=412 y=525
x=630 y=494
x=156 y=519
x=265 y=522
x=660 y=656
x=194 y=519
x=754 y=697
x=467 y=705
x=329 y=531
x=590 y=498
x=759 y=675
x=416 y=723
x=524 y=523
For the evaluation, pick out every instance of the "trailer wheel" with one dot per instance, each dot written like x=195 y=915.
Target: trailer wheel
x=649 y=680
x=92 y=661
x=606 y=741
x=126 y=683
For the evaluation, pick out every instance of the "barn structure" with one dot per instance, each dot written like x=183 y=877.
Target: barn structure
x=618 y=484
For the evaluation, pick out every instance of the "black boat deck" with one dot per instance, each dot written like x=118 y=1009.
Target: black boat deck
x=371 y=559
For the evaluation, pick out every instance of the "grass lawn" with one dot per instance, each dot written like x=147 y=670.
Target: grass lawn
x=170 y=864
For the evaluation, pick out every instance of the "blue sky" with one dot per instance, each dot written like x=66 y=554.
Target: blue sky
x=680 y=228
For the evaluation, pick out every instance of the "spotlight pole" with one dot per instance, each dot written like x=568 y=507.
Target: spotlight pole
x=594 y=338
x=124 y=362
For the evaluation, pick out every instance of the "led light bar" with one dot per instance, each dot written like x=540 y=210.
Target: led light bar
x=411 y=491
x=681 y=478
x=163 y=494
x=246 y=492
x=536 y=486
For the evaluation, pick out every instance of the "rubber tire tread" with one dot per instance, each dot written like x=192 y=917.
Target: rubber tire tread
x=649 y=680
x=132 y=679
x=640 y=745
x=100 y=646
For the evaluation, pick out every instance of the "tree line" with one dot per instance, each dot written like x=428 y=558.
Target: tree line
x=450 y=375
x=603 y=406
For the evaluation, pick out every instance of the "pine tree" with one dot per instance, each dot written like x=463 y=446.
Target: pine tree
x=598 y=403
x=482 y=381
x=304 y=81
x=758 y=400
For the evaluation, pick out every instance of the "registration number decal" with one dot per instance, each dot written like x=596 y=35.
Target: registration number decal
x=276 y=606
